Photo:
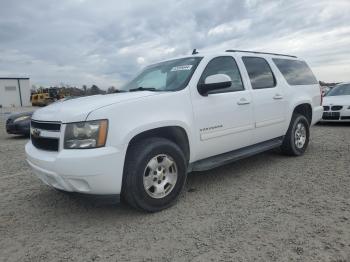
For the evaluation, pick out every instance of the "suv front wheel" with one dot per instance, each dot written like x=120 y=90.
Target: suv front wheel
x=154 y=174
x=297 y=138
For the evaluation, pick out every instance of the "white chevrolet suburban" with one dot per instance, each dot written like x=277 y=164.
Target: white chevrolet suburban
x=187 y=114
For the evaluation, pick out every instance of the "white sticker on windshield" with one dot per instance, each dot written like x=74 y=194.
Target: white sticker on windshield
x=181 y=68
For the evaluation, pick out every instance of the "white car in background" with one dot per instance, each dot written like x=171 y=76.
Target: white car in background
x=336 y=104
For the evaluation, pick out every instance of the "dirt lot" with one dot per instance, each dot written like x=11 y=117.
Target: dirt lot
x=265 y=208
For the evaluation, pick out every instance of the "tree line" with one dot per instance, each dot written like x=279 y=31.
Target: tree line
x=75 y=91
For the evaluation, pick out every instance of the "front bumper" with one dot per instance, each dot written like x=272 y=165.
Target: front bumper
x=342 y=115
x=91 y=171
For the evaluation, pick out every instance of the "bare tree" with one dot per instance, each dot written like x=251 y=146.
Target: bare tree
x=111 y=90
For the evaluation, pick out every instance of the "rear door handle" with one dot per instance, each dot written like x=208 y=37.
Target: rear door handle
x=277 y=96
x=243 y=101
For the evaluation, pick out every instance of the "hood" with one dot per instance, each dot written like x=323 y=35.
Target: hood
x=336 y=100
x=75 y=110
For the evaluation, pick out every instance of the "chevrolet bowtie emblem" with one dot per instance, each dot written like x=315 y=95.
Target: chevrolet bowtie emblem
x=36 y=132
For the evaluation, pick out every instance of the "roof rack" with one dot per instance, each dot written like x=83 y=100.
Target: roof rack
x=255 y=52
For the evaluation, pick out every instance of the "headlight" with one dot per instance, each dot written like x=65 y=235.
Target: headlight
x=21 y=118
x=91 y=134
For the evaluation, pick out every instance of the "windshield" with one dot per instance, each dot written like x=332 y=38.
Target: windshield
x=171 y=75
x=340 y=90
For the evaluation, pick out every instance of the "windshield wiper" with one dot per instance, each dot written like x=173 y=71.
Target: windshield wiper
x=140 y=88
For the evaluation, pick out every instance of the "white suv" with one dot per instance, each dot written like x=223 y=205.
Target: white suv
x=187 y=114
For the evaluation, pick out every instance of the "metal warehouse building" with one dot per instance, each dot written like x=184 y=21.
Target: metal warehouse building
x=14 y=91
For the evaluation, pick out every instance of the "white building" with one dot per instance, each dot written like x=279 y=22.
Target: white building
x=14 y=91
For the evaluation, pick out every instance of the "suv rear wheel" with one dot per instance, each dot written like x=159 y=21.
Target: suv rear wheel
x=297 y=138
x=154 y=174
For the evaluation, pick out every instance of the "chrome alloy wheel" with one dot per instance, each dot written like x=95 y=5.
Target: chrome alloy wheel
x=160 y=176
x=300 y=135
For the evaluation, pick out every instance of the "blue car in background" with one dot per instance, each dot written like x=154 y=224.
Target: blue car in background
x=19 y=123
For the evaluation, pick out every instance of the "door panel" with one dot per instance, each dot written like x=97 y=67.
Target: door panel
x=268 y=99
x=269 y=113
x=223 y=120
x=223 y=125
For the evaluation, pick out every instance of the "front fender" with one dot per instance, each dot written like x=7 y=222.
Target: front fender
x=126 y=120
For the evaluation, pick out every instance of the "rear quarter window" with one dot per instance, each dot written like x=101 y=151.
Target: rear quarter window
x=295 y=72
x=260 y=73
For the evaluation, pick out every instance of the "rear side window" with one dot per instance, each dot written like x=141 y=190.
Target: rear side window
x=259 y=72
x=295 y=72
x=224 y=65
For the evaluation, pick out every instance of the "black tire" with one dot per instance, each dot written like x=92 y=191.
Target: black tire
x=289 y=146
x=137 y=159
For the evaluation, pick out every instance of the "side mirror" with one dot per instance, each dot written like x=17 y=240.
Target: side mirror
x=214 y=82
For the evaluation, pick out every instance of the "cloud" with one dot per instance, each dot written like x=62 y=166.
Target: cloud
x=106 y=42
x=230 y=28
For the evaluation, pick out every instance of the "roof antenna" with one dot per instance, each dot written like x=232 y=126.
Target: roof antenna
x=194 y=52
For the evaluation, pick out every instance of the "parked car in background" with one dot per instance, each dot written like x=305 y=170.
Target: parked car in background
x=336 y=104
x=187 y=114
x=19 y=123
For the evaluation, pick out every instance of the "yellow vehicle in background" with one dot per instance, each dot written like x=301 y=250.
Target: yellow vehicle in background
x=44 y=97
x=41 y=99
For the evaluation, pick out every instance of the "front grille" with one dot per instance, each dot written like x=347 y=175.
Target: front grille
x=8 y=121
x=45 y=142
x=331 y=115
x=49 y=126
x=336 y=108
x=326 y=108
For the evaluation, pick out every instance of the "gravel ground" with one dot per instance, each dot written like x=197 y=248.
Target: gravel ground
x=265 y=208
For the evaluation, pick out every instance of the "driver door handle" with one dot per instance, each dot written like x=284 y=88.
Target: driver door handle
x=243 y=101
x=277 y=96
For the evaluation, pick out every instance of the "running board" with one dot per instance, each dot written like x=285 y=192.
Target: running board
x=226 y=158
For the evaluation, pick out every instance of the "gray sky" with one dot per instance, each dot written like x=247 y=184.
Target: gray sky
x=105 y=42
